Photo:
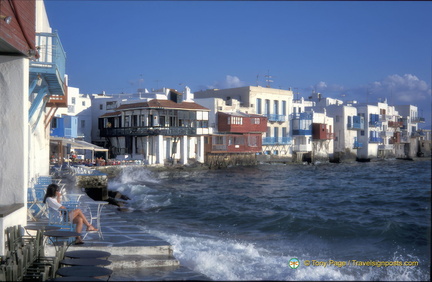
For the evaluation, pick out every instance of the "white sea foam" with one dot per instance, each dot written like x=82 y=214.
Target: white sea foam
x=226 y=259
x=135 y=175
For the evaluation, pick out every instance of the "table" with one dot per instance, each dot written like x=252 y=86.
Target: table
x=40 y=228
x=55 y=235
x=100 y=205
x=75 y=278
x=87 y=254
x=86 y=262
x=84 y=271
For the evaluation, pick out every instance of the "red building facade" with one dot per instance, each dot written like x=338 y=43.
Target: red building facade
x=238 y=133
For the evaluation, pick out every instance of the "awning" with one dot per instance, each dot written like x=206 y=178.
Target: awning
x=77 y=144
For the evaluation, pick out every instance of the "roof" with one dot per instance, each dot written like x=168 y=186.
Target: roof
x=77 y=144
x=240 y=114
x=164 y=104
x=111 y=114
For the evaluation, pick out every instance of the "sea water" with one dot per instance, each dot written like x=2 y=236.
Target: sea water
x=349 y=221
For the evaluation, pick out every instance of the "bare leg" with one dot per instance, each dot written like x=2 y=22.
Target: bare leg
x=79 y=224
x=78 y=214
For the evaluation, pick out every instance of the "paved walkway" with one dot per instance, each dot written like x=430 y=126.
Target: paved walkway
x=135 y=255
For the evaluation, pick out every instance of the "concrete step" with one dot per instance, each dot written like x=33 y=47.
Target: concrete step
x=118 y=250
x=140 y=261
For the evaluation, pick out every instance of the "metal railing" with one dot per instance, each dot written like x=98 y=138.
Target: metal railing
x=375 y=140
x=276 y=140
x=274 y=117
x=357 y=145
x=417 y=119
x=51 y=52
x=304 y=115
x=147 y=131
x=374 y=123
x=301 y=132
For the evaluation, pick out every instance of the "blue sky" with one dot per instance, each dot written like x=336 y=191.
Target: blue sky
x=341 y=49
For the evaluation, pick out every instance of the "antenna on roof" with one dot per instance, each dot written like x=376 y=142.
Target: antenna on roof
x=268 y=79
x=257 y=79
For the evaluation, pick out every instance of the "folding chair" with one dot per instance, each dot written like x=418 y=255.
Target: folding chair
x=60 y=219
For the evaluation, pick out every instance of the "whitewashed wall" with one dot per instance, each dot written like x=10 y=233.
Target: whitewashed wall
x=13 y=139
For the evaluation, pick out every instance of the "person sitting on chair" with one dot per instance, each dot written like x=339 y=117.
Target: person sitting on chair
x=52 y=198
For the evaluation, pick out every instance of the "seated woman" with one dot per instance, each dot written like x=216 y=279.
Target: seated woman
x=52 y=198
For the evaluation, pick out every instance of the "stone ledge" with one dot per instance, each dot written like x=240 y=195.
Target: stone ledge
x=7 y=210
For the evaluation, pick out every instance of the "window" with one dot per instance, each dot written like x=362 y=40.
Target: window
x=276 y=107
x=82 y=123
x=111 y=105
x=255 y=121
x=54 y=123
x=258 y=106
x=83 y=103
x=267 y=107
x=218 y=140
x=235 y=120
x=100 y=107
x=284 y=108
x=253 y=141
x=73 y=100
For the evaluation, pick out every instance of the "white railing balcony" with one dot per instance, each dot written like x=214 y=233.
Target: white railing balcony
x=51 y=64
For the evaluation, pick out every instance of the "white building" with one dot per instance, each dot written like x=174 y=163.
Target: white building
x=347 y=125
x=107 y=103
x=25 y=85
x=275 y=104
x=79 y=105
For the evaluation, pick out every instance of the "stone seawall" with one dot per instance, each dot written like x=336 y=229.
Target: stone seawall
x=95 y=185
x=217 y=161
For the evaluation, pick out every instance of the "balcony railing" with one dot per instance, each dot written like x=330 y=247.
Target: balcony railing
x=357 y=145
x=375 y=140
x=418 y=119
x=306 y=116
x=302 y=132
x=147 y=131
x=277 y=118
x=374 y=123
x=277 y=140
x=51 y=65
x=356 y=126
